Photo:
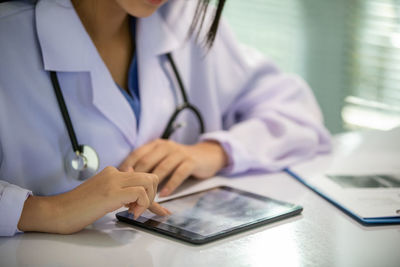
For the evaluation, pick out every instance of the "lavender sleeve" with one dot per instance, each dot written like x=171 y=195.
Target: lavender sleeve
x=273 y=122
x=12 y=199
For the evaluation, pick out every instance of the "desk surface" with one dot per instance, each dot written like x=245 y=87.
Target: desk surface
x=321 y=236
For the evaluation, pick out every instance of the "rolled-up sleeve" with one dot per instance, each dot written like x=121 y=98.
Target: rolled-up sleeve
x=12 y=199
x=273 y=122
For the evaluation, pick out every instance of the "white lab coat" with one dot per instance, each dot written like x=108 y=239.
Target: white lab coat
x=264 y=119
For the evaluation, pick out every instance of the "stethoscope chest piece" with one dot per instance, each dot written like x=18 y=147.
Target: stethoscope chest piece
x=82 y=161
x=82 y=165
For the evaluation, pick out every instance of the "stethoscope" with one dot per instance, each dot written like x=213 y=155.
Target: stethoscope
x=83 y=161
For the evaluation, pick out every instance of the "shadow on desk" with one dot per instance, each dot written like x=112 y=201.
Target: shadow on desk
x=93 y=244
x=85 y=238
x=102 y=233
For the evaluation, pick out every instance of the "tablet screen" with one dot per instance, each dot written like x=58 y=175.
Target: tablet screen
x=214 y=212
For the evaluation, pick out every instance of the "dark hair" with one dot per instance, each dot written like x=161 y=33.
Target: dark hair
x=198 y=20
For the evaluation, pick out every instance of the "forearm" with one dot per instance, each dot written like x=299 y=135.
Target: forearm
x=40 y=215
x=62 y=214
x=12 y=199
x=252 y=146
x=72 y=211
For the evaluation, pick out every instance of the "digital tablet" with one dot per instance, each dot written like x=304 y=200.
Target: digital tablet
x=212 y=214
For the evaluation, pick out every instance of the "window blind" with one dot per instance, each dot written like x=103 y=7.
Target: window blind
x=368 y=40
x=374 y=64
x=274 y=27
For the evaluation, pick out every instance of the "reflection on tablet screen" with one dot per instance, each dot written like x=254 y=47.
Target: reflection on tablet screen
x=213 y=211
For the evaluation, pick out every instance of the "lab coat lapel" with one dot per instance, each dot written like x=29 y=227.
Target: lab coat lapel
x=154 y=39
x=109 y=100
x=66 y=47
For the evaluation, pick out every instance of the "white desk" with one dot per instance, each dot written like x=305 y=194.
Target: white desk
x=321 y=236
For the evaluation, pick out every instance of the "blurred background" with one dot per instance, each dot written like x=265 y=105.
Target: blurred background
x=347 y=50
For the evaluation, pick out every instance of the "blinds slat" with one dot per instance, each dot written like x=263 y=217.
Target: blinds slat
x=374 y=67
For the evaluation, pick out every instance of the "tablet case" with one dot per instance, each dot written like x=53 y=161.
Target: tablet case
x=124 y=217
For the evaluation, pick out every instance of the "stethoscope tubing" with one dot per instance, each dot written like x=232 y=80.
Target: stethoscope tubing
x=178 y=78
x=64 y=112
x=170 y=127
x=185 y=105
x=89 y=154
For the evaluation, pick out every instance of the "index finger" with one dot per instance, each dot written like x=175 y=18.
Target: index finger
x=135 y=155
x=180 y=174
x=147 y=180
x=159 y=210
x=155 y=181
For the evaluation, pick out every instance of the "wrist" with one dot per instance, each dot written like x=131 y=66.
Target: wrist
x=39 y=214
x=218 y=153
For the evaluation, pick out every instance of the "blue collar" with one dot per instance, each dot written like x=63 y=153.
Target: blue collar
x=133 y=96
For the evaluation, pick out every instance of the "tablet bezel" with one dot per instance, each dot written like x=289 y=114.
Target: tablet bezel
x=195 y=238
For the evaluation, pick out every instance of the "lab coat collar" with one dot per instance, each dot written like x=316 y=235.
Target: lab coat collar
x=163 y=32
x=63 y=40
x=66 y=46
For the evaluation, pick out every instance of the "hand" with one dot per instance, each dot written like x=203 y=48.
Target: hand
x=166 y=158
x=105 y=192
x=154 y=207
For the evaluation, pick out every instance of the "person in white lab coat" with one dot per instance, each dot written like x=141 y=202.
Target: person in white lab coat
x=110 y=58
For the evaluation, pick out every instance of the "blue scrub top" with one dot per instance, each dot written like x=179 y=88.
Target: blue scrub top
x=132 y=96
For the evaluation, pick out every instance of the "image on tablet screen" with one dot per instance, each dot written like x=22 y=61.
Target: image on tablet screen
x=213 y=211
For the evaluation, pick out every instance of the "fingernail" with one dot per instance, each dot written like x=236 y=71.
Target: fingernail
x=164 y=192
x=167 y=211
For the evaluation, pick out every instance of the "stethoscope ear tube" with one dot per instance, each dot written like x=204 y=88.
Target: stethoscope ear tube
x=64 y=112
x=170 y=128
x=82 y=161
